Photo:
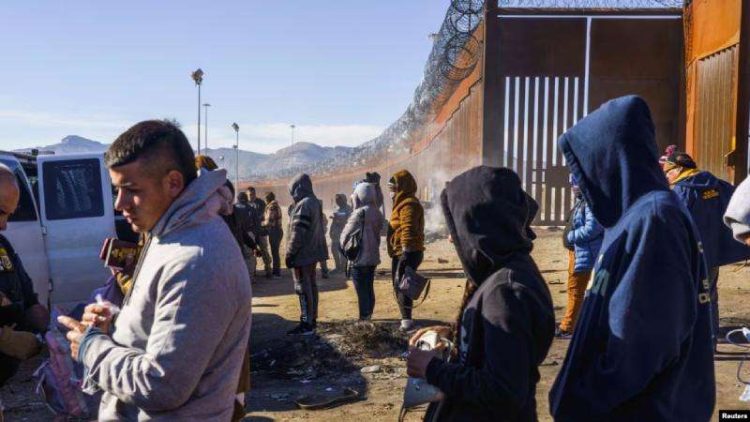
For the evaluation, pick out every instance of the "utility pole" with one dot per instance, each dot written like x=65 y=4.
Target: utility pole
x=205 y=121
x=292 y=127
x=236 y=128
x=198 y=79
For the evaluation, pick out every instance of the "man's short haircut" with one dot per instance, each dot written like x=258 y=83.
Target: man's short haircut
x=161 y=145
x=251 y=188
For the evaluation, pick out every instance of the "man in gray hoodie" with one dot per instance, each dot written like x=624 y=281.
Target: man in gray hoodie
x=305 y=248
x=178 y=345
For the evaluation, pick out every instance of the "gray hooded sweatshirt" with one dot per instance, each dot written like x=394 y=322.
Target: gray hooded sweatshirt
x=307 y=241
x=365 y=200
x=179 y=342
x=737 y=216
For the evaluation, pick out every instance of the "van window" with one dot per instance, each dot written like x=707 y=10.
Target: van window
x=73 y=189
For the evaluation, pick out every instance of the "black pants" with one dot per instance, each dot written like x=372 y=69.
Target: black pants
x=398 y=265
x=364 y=278
x=307 y=289
x=274 y=240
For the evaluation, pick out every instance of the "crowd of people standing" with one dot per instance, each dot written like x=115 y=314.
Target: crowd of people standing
x=645 y=241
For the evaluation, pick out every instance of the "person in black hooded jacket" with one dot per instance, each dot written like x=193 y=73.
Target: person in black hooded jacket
x=507 y=323
x=641 y=349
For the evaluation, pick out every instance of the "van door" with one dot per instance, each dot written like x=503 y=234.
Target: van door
x=77 y=214
x=25 y=233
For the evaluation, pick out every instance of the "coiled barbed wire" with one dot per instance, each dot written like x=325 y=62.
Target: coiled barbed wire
x=455 y=53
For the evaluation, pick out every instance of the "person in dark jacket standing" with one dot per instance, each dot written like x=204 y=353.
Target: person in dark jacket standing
x=642 y=347
x=305 y=248
x=369 y=220
x=272 y=226
x=585 y=236
x=405 y=239
x=324 y=221
x=249 y=223
x=338 y=221
x=259 y=206
x=507 y=323
x=706 y=197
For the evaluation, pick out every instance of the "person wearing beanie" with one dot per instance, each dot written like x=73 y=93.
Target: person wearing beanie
x=706 y=197
x=667 y=152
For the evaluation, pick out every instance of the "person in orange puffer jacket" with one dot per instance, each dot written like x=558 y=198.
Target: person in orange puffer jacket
x=405 y=239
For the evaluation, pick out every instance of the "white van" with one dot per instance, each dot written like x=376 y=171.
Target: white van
x=65 y=213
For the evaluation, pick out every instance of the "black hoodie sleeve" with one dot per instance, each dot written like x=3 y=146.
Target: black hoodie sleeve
x=502 y=382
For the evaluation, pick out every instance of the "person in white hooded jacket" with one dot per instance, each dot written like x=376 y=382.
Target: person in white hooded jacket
x=367 y=216
x=177 y=347
x=737 y=216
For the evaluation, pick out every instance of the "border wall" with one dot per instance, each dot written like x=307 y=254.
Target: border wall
x=539 y=70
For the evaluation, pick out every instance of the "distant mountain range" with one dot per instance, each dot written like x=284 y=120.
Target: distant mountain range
x=71 y=144
x=252 y=164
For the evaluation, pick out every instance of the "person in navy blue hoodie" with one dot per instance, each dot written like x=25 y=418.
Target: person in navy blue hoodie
x=642 y=348
x=506 y=322
x=706 y=197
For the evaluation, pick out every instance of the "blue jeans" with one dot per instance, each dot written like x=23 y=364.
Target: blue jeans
x=364 y=278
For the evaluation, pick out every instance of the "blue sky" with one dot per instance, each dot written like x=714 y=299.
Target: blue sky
x=340 y=70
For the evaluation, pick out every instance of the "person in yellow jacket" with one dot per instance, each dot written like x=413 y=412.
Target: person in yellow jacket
x=405 y=239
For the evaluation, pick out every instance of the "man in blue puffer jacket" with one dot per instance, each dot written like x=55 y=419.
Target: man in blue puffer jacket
x=585 y=239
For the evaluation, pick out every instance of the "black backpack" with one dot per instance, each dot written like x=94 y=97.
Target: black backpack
x=351 y=247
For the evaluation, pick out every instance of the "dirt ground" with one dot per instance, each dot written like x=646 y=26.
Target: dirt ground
x=286 y=369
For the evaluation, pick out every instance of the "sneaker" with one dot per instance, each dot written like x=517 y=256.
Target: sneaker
x=565 y=335
x=303 y=329
x=365 y=320
x=406 y=324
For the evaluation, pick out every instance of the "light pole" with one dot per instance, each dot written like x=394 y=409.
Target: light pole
x=205 y=121
x=198 y=78
x=236 y=128
x=292 y=127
